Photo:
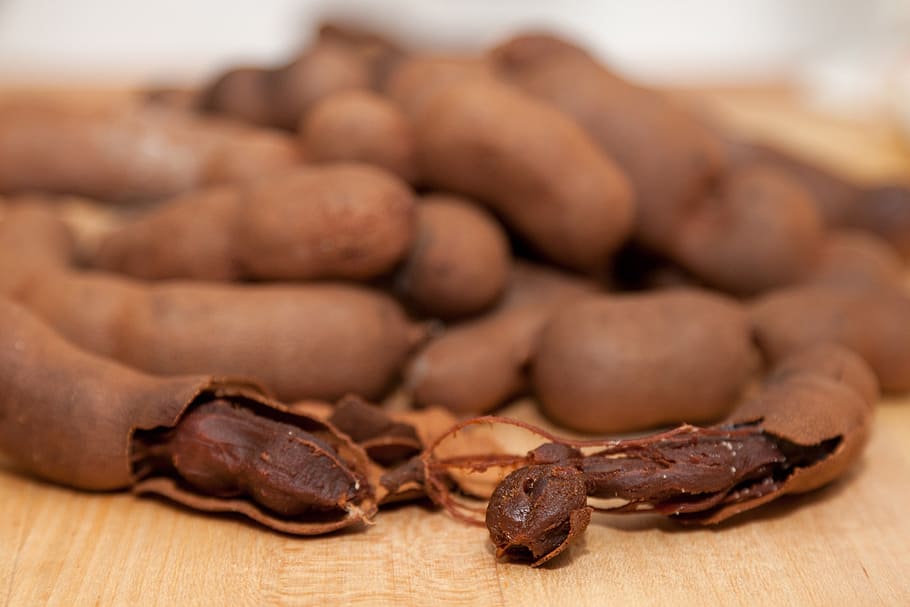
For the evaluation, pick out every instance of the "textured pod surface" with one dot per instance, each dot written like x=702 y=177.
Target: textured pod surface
x=335 y=221
x=873 y=321
x=668 y=156
x=316 y=341
x=360 y=126
x=532 y=165
x=460 y=261
x=129 y=152
x=71 y=417
x=614 y=364
x=477 y=365
x=758 y=231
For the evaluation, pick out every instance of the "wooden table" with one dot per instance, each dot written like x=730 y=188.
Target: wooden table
x=847 y=544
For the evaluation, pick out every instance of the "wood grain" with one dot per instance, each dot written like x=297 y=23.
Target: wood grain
x=847 y=544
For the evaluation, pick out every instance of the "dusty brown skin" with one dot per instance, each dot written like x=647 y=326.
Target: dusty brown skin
x=315 y=341
x=629 y=362
x=872 y=320
x=758 y=230
x=883 y=210
x=668 y=156
x=360 y=126
x=129 y=153
x=533 y=166
x=478 y=365
x=855 y=257
x=459 y=263
x=152 y=434
x=802 y=430
x=345 y=221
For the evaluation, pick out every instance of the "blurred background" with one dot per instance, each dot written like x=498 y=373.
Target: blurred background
x=848 y=57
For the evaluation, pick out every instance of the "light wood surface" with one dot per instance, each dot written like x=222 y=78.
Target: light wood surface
x=848 y=544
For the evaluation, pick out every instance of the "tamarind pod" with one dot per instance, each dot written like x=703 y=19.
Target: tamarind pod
x=333 y=221
x=533 y=166
x=312 y=341
x=668 y=156
x=129 y=152
x=805 y=427
x=758 y=230
x=478 y=365
x=882 y=209
x=874 y=321
x=855 y=257
x=86 y=422
x=360 y=126
x=459 y=262
x=826 y=417
x=621 y=363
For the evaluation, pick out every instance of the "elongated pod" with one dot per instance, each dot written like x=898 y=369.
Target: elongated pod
x=86 y=422
x=345 y=221
x=130 y=152
x=626 y=362
x=668 y=156
x=478 y=136
x=301 y=341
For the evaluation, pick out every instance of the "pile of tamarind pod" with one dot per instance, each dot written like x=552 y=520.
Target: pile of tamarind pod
x=371 y=219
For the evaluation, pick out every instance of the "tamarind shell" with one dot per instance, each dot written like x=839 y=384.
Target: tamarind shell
x=68 y=416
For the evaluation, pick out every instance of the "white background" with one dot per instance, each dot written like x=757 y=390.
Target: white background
x=658 y=40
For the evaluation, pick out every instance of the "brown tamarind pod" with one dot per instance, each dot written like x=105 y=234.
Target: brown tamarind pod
x=874 y=321
x=301 y=341
x=346 y=221
x=668 y=156
x=211 y=445
x=477 y=365
x=802 y=430
x=759 y=230
x=618 y=363
x=538 y=170
x=360 y=126
x=459 y=262
x=129 y=152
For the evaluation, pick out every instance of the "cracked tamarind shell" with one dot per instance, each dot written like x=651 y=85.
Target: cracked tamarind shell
x=819 y=400
x=69 y=417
